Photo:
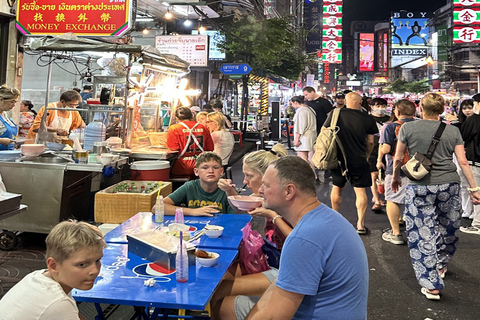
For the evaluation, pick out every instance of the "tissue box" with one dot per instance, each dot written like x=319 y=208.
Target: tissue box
x=9 y=202
x=156 y=254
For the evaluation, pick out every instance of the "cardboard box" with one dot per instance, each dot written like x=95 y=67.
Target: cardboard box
x=118 y=207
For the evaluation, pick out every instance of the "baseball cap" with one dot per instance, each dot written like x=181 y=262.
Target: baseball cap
x=339 y=96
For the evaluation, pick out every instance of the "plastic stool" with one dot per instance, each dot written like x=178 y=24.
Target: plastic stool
x=240 y=136
x=290 y=130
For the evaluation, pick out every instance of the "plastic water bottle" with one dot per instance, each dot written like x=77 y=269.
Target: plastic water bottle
x=181 y=261
x=159 y=209
x=179 y=215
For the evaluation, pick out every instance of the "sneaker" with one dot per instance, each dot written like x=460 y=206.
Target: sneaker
x=471 y=229
x=388 y=236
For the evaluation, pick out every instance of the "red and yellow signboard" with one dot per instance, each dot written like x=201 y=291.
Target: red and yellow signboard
x=82 y=17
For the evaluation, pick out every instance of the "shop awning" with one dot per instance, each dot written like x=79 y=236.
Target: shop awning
x=70 y=42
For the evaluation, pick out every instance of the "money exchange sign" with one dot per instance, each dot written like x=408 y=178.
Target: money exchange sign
x=82 y=17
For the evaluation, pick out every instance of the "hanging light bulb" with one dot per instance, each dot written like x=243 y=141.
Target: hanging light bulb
x=168 y=15
x=146 y=31
x=201 y=28
x=187 y=23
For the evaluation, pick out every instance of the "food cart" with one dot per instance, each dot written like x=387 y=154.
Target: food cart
x=55 y=188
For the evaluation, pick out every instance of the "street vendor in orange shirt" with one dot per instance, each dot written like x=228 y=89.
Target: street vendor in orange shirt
x=189 y=138
x=59 y=121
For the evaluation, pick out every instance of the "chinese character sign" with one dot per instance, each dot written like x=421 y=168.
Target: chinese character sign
x=312 y=15
x=466 y=21
x=82 y=17
x=332 y=31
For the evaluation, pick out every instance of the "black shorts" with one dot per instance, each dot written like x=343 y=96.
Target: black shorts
x=358 y=175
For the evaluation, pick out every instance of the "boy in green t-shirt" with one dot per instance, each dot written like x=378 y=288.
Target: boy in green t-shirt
x=201 y=197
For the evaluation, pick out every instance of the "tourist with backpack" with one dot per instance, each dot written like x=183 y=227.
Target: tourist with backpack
x=356 y=131
x=404 y=111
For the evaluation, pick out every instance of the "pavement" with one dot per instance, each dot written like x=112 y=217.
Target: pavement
x=393 y=293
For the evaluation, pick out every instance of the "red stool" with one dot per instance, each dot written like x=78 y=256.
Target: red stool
x=240 y=136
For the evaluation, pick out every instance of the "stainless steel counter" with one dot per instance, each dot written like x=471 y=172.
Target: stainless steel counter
x=53 y=192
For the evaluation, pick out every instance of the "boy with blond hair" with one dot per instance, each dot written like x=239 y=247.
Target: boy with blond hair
x=74 y=250
x=201 y=197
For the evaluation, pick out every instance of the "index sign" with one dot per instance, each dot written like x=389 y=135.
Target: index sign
x=466 y=21
x=82 y=17
x=332 y=31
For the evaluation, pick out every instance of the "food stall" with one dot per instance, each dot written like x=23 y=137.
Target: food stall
x=56 y=188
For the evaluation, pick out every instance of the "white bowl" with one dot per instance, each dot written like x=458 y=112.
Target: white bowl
x=55 y=146
x=32 y=150
x=246 y=203
x=208 y=262
x=106 y=158
x=213 y=231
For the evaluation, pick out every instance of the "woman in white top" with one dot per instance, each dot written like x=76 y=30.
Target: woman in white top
x=305 y=129
x=222 y=139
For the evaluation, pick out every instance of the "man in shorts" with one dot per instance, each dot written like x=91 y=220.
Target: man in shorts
x=405 y=111
x=323 y=270
x=357 y=130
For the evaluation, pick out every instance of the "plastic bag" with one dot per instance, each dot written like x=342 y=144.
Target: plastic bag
x=252 y=258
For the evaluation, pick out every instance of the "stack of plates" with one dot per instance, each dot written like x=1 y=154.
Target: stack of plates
x=10 y=155
x=95 y=132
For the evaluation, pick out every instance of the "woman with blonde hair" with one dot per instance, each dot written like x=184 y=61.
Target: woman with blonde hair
x=229 y=300
x=8 y=129
x=201 y=118
x=222 y=138
x=432 y=204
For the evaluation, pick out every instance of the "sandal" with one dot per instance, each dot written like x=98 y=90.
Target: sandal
x=442 y=272
x=383 y=203
x=363 y=231
x=377 y=207
x=429 y=295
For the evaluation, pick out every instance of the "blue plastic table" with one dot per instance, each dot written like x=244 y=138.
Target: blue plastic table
x=144 y=221
x=121 y=281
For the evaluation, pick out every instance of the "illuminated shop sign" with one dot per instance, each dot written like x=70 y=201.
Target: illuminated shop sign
x=193 y=49
x=466 y=21
x=82 y=17
x=366 y=52
x=409 y=36
x=312 y=16
x=332 y=31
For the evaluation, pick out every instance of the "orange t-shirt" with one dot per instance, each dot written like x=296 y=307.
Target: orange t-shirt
x=76 y=120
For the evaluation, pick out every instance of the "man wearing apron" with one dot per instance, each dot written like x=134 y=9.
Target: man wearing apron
x=190 y=139
x=59 y=121
x=8 y=129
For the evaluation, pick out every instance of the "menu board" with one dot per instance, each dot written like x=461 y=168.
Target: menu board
x=191 y=48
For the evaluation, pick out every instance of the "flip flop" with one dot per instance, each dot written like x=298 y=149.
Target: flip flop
x=377 y=208
x=430 y=296
x=363 y=231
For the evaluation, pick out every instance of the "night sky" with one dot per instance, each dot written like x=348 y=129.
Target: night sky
x=379 y=10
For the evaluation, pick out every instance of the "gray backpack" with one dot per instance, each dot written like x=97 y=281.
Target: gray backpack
x=325 y=156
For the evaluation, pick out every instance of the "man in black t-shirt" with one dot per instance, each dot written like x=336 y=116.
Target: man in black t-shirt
x=357 y=130
x=320 y=105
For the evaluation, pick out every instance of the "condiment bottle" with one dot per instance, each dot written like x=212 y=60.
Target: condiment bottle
x=179 y=215
x=159 y=209
x=181 y=261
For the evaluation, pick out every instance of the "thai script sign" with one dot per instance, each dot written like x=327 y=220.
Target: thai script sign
x=82 y=17
x=193 y=49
